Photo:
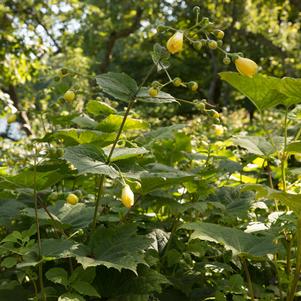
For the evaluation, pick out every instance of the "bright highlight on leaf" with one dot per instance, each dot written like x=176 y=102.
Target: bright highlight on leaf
x=175 y=43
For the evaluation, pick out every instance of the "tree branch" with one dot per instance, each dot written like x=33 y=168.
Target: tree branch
x=115 y=35
x=23 y=115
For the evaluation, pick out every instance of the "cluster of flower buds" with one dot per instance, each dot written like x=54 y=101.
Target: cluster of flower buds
x=212 y=38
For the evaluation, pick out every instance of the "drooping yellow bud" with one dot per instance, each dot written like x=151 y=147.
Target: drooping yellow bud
x=246 y=66
x=72 y=199
x=127 y=196
x=175 y=43
x=218 y=130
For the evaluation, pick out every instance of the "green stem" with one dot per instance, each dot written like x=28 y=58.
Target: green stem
x=288 y=257
x=284 y=155
x=294 y=283
x=108 y=161
x=245 y=266
x=297 y=135
x=35 y=197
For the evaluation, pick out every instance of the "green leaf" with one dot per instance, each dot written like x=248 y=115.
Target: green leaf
x=26 y=179
x=160 y=56
x=9 y=209
x=88 y=158
x=59 y=248
x=257 y=145
x=81 y=136
x=64 y=215
x=57 y=275
x=125 y=153
x=160 y=134
x=295 y=114
x=260 y=89
x=84 y=288
x=239 y=242
x=112 y=123
x=118 y=248
x=293 y=201
x=159 y=175
x=97 y=108
x=85 y=122
x=162 y=97
x=118 y=85
x=86 y=275
x=9 y=262
x=291 y=87
x=294 y=147
x=71 y=297
x=113 y=283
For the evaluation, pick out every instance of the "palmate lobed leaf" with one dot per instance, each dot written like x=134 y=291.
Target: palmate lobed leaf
x=119 y=85
x=159 y=175
x=89 y=158
x=118 y=248
x=29 y=179
x=260 y=89
x=293 y=201
x=257 y=145
x=266 y=91
x=81 y=136
x=239 y=242
x=64 y=215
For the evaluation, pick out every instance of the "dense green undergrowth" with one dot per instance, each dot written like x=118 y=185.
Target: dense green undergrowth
x=217 y=208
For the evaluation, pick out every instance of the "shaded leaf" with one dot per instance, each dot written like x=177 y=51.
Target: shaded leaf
x=257 y=145
x=28 y=179
x=118 y=248
x=88 y=158
x=239 y=242
x=9 y=209
x=71 y=297
x=118 y=85
x=293 y=201
x=57 y=275
x=84 y=288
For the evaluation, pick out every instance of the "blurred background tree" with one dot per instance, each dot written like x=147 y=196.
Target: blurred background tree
x=90 y=37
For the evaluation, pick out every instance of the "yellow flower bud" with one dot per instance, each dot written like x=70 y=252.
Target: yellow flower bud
x=127 y=196
x=175 y=43
x=246 y=66
x=72 y=199
x=218 y=130
x=69 y=96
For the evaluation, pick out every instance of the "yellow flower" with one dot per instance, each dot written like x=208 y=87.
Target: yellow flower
x=246 y=66
x=127 y=196
x=218 y=129
x=175 y=43
x=72 y=199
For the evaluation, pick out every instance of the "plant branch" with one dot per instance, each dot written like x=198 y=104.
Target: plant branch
x=108 y=161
